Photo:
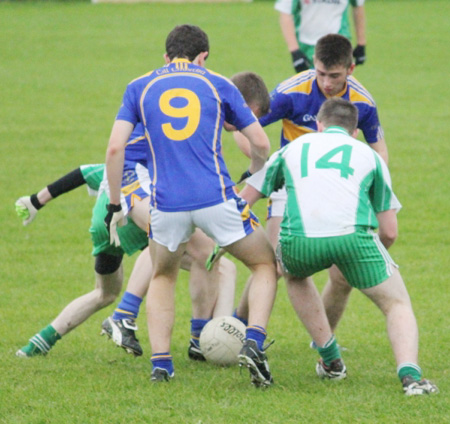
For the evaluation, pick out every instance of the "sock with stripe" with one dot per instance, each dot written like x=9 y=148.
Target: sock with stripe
x=196 y=328
x=42 y=342
x=330 y=351
x=128 y=307
x=163 y=360
x=408 y=368
x=256 y=333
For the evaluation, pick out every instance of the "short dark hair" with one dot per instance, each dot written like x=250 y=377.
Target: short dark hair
x=334 y=50
x=253 y=89
x=339 y=112
x=186 y=41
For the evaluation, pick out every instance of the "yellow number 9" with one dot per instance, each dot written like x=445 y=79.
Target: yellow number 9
x=191 y=111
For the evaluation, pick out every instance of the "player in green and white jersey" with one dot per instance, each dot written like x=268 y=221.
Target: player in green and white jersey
x=339 y=192
x=303 y=22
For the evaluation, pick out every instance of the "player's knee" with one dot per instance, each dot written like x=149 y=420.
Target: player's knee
x=227 y=267
x=107 y=264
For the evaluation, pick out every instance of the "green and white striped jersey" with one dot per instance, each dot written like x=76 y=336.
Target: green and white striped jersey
x=315 y=18
x=334 y=182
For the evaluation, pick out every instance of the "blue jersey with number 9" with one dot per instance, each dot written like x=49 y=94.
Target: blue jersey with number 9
x=182 y=107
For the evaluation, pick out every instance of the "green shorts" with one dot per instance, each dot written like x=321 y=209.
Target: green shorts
x=132 y=238
x=360 y=256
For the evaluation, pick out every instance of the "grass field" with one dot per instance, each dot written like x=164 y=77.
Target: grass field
x=63 y=69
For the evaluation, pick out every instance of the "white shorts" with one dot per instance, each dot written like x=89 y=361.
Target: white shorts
x=277 y=203
x=225 y=223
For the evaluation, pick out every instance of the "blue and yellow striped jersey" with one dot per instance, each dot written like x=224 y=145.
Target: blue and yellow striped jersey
x=297 y=100
x=182 y=107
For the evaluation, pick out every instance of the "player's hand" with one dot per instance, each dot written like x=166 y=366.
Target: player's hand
x=244 y=176
x=359 y=54
x=113 y=219
x=25 y=210
x=300 y=61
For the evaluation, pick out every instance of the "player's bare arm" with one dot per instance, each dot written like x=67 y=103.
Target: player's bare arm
x=259 y=146
x=388 y=228
x=381 y=148
x=115 y=155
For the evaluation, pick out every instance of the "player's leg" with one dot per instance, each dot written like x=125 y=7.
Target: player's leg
x=212 y=292
x=169 y=234
x=109 y=277
x=257 y=254
x=392 y=298
x=335 y=296
x=161 y=307
x=307 y=303
x=121 y=326
x=107 y=288
x=235 y=228
x=227 y=286
x=301 y=257
x=272 y=231
x=203 y=288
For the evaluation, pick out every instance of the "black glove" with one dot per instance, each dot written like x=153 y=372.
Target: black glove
x=244 y=176
x=300 y=61
x=359 y=54
x=114 y=218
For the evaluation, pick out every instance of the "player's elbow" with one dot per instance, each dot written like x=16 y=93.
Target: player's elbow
x=388 y=228
x=388 y=237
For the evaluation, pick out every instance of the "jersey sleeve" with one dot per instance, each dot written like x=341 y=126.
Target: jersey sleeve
x=381 y=195
x=128 y=109
x=369 y=124
x=93 y=175
x=355 y=3
x=280 y=108
x=237 y=112
x=274 y=176
x=285 y=6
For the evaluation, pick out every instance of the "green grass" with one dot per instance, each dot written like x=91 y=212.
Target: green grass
x=63 y=68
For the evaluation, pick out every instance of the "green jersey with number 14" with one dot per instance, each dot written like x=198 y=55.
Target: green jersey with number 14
x=335 y=184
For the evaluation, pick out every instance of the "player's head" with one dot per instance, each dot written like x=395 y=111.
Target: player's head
x=338 y=112
x=334 y=50
x=254 y=91
x=187 y=42
x=333 y=62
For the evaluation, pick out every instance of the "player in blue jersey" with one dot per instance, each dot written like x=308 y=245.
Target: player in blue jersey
x=296 y=102
x=183 y=107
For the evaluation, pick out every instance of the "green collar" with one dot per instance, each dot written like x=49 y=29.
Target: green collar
x=336 y=129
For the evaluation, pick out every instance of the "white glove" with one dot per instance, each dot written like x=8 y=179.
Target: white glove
x=114 y=218
x=25 y=210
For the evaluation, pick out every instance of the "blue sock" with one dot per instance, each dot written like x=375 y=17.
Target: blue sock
x=196 y=328
x=128 y=306
x=258 y=334
x=243 y=320
x=163 y=360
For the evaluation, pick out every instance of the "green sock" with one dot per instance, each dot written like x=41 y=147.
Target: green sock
x=408 y=368
x=42 y=342
x=330 y=351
